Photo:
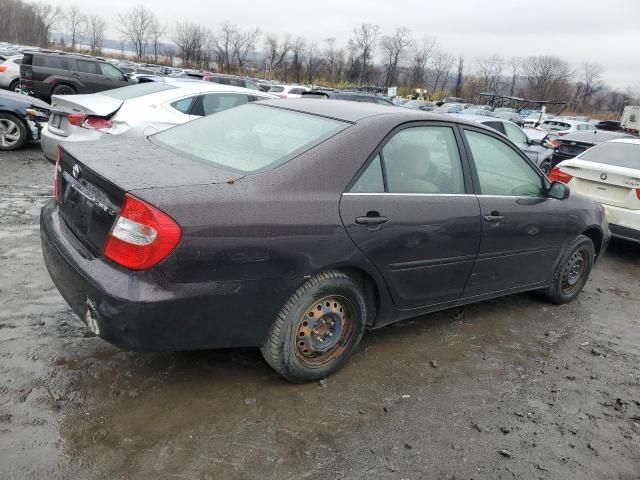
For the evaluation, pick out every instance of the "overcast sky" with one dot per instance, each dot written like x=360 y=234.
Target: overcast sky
x=602 y=31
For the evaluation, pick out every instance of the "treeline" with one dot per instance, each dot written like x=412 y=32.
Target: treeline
x=418 y=65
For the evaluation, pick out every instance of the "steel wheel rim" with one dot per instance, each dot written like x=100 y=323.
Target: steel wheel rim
x=324 y=331
x=9 y=133
x=573 y=271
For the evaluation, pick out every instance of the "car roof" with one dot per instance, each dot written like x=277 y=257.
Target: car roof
x=190 y=86
x=354 y=112
x=598 y=136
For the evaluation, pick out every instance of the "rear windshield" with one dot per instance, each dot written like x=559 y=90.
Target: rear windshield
x=249 y=138
x=276 y=89
x=614 y=153
x=138 y=90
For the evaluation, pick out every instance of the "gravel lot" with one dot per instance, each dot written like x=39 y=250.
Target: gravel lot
x=511 y=388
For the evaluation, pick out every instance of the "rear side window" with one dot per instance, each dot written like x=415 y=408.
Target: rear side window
x=499 y=126
x=217 y=102
x=248 y=139
x=183 y=105
x=46 y=61
x=85 y=66
x=251 y=85
x=276 y=89
x=371 y=180
x=138 y=90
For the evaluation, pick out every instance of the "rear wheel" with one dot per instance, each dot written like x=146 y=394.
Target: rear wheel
x=317 y=329
x=13 y=133
x=15 y=86
x=572 y=272
x=63 y=89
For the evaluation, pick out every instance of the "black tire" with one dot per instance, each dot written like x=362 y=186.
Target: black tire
x=545 y=167
x=572 y=272
x=13 y=133
x=294 y=346
x=63 y=89
x=15 y=86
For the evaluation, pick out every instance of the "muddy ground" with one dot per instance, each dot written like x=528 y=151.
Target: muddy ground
x=556 y=389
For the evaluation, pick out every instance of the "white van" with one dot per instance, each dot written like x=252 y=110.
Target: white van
x=631 y=118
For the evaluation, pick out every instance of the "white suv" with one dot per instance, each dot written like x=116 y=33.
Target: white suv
x=10 y=73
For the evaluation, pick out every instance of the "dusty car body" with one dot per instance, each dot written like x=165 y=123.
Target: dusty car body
x=319 y=236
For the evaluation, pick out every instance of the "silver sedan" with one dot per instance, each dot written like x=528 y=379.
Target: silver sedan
x=137 y=110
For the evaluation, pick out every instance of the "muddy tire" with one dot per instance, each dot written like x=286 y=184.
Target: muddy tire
x=572 y=272
x=63 y=89
x=318 y=328
x=13 y=133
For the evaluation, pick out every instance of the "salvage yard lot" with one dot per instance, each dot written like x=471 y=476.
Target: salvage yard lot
x=511 y=388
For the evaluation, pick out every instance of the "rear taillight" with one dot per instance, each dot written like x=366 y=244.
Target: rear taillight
x=142 y=236
x=3 y=68
x=56 y=194
x=638 y=193
x=557 y=175
x=89 y=121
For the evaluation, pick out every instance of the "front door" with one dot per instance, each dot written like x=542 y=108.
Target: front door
x=412 y=214
x=522 y=228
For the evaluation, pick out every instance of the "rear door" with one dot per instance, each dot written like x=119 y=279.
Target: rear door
x=89 y=73
x=411 y=211
x=522 y=229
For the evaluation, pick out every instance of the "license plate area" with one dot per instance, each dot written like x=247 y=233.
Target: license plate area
x=55 y=120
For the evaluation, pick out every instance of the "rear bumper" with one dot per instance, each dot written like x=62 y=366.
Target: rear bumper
x=143 y=311
x=623 y=223
x=50 y=140
x=625 y=233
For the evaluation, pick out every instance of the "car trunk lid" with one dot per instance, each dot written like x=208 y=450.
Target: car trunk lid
x=607 y=184
x=94 y=177
x=94 y=105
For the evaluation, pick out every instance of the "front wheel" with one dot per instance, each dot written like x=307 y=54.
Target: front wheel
x=318 y=328
x=13 y=133
x=15 y=86
x=572 y=272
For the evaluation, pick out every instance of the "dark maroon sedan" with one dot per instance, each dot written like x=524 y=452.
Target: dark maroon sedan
x=294 y=225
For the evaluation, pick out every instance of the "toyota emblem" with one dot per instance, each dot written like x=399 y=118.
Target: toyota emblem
x=76 y=171
x=603 y=176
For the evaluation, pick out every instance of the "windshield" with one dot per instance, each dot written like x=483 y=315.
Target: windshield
x=138 y=90
x=249 y=138
x=620 y=154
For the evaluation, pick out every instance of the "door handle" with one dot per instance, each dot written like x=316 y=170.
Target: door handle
x=371 y=219
x=494 y=217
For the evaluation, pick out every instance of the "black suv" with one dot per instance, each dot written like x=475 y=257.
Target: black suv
x=51 y=73
x=347 y=95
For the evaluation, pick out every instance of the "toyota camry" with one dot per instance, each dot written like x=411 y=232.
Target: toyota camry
x=296 y=225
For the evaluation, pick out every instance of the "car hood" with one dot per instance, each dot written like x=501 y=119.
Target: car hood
x=137 y=164
x=22 y=100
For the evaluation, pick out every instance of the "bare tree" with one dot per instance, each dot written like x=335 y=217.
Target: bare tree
x=136 y=24
x=243 y=43
x=363 y=45
x=297 y=58
x=394 y=48
x=96 y=26
x=589 y=83
x=276 y=52
x=46 y=17
x=224 y=45
x=421 y=57
x=74 y=21
x=156 y=31
x=191 y=40
x=547 y=76
x=460 y=77
x=442 y=63
x=490 y=71
x=514 y=67
x=313 y=60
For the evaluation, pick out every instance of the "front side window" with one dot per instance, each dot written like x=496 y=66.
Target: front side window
x=110 y=71
x=516 y=135
x=501 y=171
x=249 y=84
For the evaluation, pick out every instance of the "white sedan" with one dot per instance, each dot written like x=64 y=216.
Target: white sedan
x=610 y=174
x=137 y=110
x=288 y=91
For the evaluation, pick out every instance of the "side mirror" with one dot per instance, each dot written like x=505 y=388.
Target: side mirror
x=535 y=141
x=559 y=191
